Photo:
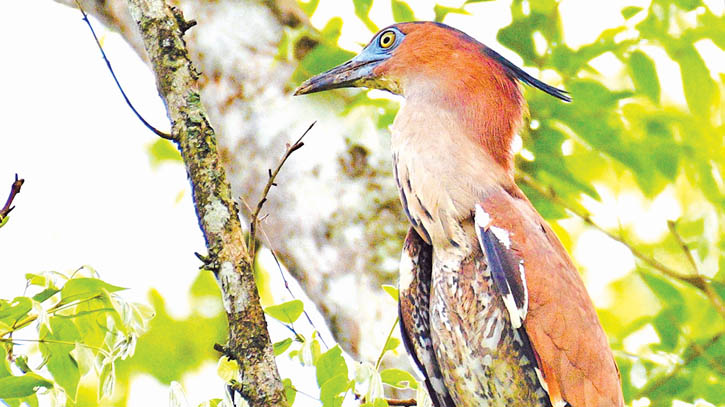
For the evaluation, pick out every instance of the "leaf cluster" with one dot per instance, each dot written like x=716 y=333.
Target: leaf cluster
x=83 y=327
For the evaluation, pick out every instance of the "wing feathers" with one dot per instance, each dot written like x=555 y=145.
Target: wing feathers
x=572 y=350
x=413 y=305
x=506 y=269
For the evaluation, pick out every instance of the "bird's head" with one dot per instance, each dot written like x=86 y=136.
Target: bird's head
x=434 y=65
x=428 y=57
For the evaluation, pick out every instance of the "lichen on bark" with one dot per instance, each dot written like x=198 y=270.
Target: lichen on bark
x=162 y=29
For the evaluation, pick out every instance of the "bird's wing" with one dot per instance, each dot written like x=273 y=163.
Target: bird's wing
x=414 y=291
x=542 y=289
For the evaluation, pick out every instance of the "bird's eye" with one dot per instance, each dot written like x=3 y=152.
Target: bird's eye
x=387 y=39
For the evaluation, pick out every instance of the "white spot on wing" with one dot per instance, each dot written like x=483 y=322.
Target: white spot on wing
x=419 y=373
x=482 y=218
x=525 y=306
x=502 y=235
x=406 y=271
x=514 y=313
x=542 y=382
x=438 y=385
x=483 y=222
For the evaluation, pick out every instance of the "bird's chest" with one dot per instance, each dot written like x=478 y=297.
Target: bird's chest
x=427 y=200
x=441 y=173
x=483 y=359
x=434 y=193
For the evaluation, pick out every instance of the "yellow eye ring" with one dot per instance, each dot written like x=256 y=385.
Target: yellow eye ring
x=387 y=39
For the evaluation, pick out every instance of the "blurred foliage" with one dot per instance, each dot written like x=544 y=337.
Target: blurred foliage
x=174 y=346
x=339 y=378
x=625 y=133
x=83 y=330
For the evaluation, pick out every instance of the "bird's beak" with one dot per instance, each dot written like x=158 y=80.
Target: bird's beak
x=353 y=73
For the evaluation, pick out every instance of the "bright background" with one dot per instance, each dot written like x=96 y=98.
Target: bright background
x=93 y=196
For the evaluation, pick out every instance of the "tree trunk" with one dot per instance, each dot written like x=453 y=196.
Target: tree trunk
x=335 y=218
x=162 y=29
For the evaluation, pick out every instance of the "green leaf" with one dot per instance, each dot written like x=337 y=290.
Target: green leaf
x=4 y=365
x=401 y=11
x=362 y=11
x=391 y=344
x=281 y=346
x=83 y=288
x=61 y=364
x=45 y=294
x=380 y=403
x=324 y=56
x=628 y=12
x=106 y=381
x=309 y=8
x=399 y=379
x=330 y=391
x=12 y=311
x=289 y=391
x=518 y=37
x=700 y=89
x=84 y=357
x=688 y=5
x=668 y=329
x=392 y=291
x=644 y=75
x=4 y=220
x=332 y=30
x=287 y=312
x=663 y=289
x=331 y=364
x=442 y=11
x=21 y=362
x=309 y=352
x=22 y=386
x=161 y=151
x=227 y=369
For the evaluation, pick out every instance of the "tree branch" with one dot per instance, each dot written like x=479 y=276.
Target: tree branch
x=698 y=281
x=692 y=352
x=162 y=28
x=115 y=79
x=14 y=190
x=291 y=148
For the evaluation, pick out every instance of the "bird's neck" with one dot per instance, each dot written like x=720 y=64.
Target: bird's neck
x=442 y=171
x=483 y=105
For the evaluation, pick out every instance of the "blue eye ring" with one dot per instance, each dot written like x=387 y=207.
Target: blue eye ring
x=386 y=39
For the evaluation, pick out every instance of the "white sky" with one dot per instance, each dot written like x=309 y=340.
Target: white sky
x=91 y=196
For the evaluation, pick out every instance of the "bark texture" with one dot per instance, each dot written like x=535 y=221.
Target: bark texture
x=161 y=29
x=335 y=219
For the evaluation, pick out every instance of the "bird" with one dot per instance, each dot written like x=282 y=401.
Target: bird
x=493 y=310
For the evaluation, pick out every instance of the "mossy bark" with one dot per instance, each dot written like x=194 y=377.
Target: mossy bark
x=162 y=29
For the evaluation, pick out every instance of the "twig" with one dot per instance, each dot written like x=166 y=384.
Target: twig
x=270 y=183
x=123 y=93
x=385 y=345
x=672 y=226
x=691 y=353
x=286 y=286
x=14 y=190
x=281 y=273
x=13 y=340
x=402 y=402
x=391 y=402
x=698 y=281
x=714 y=298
